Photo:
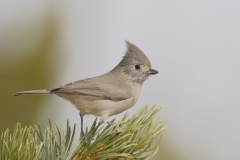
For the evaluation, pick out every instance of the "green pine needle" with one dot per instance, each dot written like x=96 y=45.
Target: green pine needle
x=129 y=138
x=35 y=142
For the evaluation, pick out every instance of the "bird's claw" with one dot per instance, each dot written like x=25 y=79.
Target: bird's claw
x=82 y=136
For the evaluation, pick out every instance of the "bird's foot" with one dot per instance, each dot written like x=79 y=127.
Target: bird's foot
x=82 y=135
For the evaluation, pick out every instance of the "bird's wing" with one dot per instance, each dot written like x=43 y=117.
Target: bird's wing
x=99 y=88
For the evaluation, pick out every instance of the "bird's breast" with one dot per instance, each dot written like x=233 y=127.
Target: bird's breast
x=123 y=105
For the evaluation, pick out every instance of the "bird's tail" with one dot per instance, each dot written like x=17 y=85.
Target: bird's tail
x=44 y=91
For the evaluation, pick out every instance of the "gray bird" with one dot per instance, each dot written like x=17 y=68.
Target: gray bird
x=108 y=94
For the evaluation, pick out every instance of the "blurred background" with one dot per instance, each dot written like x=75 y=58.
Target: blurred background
x=193 y=44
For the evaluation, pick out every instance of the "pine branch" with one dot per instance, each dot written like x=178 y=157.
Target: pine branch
x=35 y=142
x=129 y=138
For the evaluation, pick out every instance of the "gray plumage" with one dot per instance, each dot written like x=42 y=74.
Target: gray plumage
x=108 y=94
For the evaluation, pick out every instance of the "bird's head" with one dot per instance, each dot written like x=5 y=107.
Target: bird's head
x=135 y=64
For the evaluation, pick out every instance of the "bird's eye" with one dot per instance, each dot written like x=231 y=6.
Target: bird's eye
x=137 y=66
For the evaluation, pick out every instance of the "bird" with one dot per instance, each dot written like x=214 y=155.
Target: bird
x=110 y=93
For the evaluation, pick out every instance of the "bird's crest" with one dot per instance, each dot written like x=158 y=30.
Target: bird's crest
x=133 y=52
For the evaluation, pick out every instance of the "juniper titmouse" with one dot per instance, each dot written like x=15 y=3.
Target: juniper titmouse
x=110 y=93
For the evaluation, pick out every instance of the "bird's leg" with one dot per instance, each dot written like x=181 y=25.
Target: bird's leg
x=104 y=118
x=82 y=134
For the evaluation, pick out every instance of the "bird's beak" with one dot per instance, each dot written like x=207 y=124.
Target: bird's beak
x=152 y=72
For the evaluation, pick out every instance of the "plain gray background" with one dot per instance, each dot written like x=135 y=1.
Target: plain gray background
x=195 y=46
